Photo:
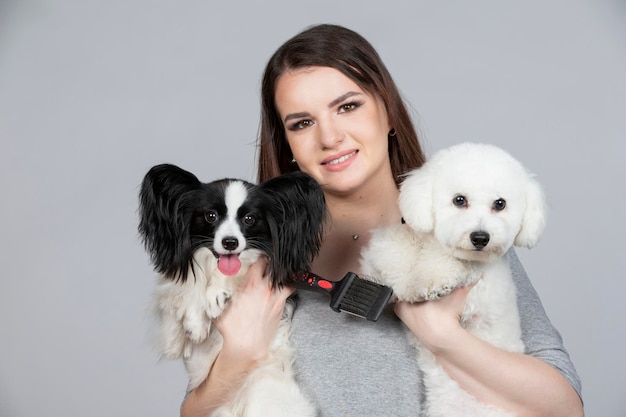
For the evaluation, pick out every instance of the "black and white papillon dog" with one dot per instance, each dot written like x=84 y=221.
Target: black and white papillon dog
x=202 y=237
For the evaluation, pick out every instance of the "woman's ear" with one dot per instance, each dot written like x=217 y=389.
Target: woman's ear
x=534 y=219
x=416 y=200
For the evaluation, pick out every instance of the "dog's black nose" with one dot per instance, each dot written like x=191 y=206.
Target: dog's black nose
x=230 y=243
x=479 y=239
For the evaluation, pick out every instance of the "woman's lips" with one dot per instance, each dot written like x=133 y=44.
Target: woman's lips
x=338 y=162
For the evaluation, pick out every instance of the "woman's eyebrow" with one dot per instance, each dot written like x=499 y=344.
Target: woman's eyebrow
x=332 y=104
x=343 y=97
x=296 y=116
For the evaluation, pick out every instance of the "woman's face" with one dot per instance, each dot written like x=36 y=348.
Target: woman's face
x=337 y=132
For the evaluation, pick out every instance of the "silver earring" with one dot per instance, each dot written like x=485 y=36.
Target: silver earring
x=392 y=132
x=293 y=160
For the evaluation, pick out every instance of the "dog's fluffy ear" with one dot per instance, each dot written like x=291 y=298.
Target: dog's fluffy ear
x=416 y=200
x=164 y=222
x=296 y=215
x=534 y=219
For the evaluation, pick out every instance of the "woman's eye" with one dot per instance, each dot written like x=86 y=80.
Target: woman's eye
x=249 y=219
x=344 y=108
x=210 y=216
x=301 y=124
x=459 y=201
x=499 y=204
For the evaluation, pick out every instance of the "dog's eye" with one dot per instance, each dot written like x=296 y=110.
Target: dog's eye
x=499 y=204
x=459 y=201
x=249 y=219
x=210 y=216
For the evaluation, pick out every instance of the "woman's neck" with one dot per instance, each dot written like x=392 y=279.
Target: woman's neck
x=360 y=214
x=352 y=218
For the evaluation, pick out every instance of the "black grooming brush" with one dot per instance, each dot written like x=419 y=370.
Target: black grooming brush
x=352 y=294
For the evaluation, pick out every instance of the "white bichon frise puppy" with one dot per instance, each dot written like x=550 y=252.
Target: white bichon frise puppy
x=464 y=209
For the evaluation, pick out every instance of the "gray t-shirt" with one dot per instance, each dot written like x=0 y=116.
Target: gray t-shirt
x=349 y=366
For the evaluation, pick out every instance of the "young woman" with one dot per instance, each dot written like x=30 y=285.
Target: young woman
x=331 y=109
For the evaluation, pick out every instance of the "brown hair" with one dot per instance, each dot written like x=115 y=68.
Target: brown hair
x=351 y=54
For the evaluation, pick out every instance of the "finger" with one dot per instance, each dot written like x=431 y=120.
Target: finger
x=400 y=307
x=465 y=290
x=256 y=272
x=261 y=266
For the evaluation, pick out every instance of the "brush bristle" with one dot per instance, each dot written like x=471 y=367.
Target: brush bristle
x=365 y=299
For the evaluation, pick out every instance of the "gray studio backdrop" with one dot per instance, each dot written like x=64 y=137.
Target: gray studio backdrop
x=93 y=93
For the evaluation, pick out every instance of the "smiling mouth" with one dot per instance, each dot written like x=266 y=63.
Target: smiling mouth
x=341 y=159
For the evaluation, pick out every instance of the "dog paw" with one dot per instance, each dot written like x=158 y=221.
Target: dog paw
x=196 y=327
x=196 y=335
x=187 y=350
x=437 y=293
x=217 y=299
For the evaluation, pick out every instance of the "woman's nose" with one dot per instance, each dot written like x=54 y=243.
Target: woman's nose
x=329 y=134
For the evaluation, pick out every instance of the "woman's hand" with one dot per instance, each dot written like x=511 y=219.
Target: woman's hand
x=248 y=325
x=251 y=318
x=521 y=384
x=435 y=323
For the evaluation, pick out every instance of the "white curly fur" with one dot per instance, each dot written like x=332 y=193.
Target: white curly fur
x=432 y=254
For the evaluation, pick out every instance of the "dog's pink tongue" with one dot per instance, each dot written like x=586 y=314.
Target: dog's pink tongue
x=229 y=264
